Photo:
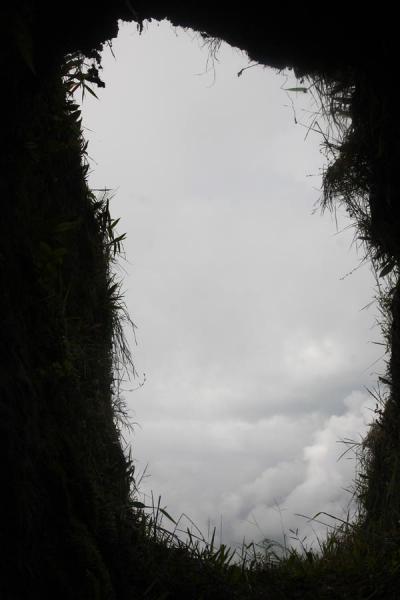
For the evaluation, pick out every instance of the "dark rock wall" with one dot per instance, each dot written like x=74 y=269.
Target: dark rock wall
x=65 y=484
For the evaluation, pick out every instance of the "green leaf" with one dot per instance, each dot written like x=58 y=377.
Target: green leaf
x=71 y=64
x=115 y=222
x=164 y=512
x=387 y=268
x=67 y=226
x=45 y=249
x=113 y=289
x=59 y=253
x=304 y=90
x=72 y=87
x=137 y=504
x=118 y=239
x=88 y=89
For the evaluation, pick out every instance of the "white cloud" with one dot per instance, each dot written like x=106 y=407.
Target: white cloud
x=316 y=482
x=307 y=358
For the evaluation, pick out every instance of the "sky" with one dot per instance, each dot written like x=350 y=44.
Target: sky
x=253 y=348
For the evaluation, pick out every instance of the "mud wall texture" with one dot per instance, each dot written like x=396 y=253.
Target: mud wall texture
x=65 y=501
x=64 y=477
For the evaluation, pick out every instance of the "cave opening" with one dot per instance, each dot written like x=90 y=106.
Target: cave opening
x=255 y=349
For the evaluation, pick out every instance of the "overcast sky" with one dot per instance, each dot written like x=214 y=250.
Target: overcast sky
x=254 y=345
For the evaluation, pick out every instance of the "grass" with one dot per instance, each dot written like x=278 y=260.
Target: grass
x=342 y=566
